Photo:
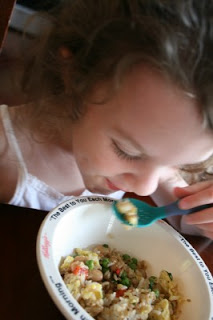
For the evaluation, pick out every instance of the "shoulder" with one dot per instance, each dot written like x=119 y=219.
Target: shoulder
x=8 y=171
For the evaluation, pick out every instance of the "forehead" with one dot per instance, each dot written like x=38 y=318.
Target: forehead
x=148 y=97
x=157 y=114
x=151 y=91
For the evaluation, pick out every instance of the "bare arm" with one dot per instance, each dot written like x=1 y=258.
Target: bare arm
x=8 y=170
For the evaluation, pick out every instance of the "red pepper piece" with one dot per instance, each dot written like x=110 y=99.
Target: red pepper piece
x=120 y=293
x=118 y=271
x=79 y=271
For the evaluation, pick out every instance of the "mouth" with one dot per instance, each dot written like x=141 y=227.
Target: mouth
x=111 y=186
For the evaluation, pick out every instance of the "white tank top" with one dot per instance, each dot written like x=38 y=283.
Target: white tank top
x=30 y=191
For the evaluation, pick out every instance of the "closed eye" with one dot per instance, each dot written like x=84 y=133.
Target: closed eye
x=123 y=154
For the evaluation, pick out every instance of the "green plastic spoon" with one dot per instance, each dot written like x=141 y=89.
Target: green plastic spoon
x=148 y=214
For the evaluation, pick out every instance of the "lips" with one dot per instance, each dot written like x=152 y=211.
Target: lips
x=111 y=185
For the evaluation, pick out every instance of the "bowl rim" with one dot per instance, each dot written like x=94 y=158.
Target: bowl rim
x=52 y=280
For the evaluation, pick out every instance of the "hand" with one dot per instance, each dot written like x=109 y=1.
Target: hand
x=195 y=195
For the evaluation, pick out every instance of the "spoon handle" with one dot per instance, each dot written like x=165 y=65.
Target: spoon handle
x=173 y=209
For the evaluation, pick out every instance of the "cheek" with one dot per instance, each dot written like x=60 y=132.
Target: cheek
x=88 y=155
x=94 y=153
x=95 y=160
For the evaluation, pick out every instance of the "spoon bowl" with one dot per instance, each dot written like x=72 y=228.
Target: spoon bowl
x=147 y=214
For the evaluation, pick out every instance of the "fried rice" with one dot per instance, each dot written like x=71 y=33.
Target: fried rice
x=110 y=285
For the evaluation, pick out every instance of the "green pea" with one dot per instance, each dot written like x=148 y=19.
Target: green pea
x=126 y=257
x=132 y=265
x=90 y=264
x=134 y=260
x=105 y=262
x=125 y=281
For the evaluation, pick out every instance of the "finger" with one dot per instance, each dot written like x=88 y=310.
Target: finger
x=200 y=198
x=181 y=192
x=204 y=216
x=194 y=188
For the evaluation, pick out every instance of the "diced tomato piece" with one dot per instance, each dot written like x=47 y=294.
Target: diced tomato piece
x=120 y=293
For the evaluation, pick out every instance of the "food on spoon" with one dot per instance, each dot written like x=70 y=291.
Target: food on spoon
x=129 y=210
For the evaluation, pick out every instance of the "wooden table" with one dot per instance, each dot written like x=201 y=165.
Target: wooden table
x=23 y=295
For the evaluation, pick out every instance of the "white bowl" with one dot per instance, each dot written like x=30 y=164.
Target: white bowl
x=81 y=222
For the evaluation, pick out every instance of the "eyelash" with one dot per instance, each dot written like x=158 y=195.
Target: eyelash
x=123 y=155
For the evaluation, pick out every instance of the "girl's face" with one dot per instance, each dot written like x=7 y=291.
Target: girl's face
x=130 y=142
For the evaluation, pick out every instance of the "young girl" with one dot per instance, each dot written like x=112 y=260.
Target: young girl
x=122 y=102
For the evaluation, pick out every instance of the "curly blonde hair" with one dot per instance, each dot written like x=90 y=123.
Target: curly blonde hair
x=193 y=173
x=174 y=37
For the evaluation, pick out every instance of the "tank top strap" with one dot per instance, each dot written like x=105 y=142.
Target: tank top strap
x=10 y=134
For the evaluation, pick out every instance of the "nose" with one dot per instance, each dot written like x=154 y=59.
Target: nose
x=143 y=184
